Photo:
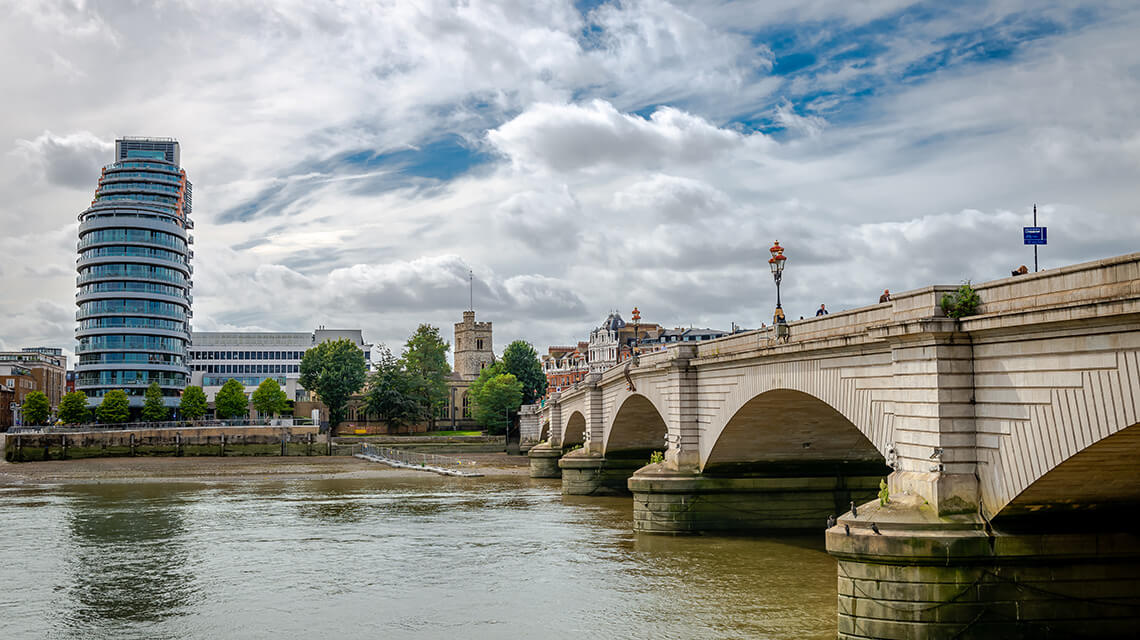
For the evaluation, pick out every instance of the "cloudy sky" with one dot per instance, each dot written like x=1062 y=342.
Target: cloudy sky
x=352 y=161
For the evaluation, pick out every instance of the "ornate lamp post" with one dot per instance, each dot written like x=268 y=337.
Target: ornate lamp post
x=776 y=262
x=636 y=333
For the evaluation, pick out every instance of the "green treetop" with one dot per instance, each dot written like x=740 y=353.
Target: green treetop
x=230 y=402
x=73 y=408
x=269 y=398
x=115 y=407
x=495 y=394
x=334 y=370
x=425 y=358
x=391 y=392
x=36 y=407
x=153 y=409
x=521 y=360
x=193 y=405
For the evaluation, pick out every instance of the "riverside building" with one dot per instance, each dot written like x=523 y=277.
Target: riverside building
x=135 y=276
x=251 y=357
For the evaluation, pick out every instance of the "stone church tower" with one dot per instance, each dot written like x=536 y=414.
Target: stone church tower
x=473 y=348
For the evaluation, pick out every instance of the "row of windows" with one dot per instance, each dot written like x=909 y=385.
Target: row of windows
x=132 y=235
x=140 y=252
x=164 y=378
x=131 y=390
x=127 y=285
x=133 y=271
x=146 y=165
x=144 y=358
x=140 y=197
x=247 y=355
x=247 y=368
x=148 y=343
x=132 y=306
x=248 y=381
x=110 y=187
x=132 y=323
x=115 y=174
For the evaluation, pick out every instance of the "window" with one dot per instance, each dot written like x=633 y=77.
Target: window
x=479 y=344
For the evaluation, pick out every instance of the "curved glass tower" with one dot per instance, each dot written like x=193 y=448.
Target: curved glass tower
x=135 y=275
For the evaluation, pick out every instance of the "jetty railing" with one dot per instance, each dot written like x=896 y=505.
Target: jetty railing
x=404 y=459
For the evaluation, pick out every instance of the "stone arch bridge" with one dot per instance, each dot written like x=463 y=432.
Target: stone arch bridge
x=1020 y=418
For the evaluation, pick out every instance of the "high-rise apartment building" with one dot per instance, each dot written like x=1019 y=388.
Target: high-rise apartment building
x=135 y=275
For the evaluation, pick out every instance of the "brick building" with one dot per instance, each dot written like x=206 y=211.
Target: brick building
x=47 y=366
x=17 y=382
x=564 y=366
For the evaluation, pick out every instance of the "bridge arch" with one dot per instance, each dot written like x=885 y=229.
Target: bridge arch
x=575 y=430
x=788 y=426
x=1102 y=476
x=635 y=428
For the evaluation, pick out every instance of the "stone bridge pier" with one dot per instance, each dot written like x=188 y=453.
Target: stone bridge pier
x=1006 y=443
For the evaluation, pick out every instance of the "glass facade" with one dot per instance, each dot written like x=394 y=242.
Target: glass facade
x=135 y=274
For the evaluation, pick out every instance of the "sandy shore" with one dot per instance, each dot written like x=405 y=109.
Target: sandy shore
x=245 y=469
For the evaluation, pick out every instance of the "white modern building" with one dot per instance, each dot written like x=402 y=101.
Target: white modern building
x=250 y=357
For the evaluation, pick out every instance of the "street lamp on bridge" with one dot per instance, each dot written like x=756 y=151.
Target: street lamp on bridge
x=636 y=334
x=776 y=262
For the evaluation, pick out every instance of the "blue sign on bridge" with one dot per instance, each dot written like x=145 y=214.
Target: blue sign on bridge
x=1035 y=235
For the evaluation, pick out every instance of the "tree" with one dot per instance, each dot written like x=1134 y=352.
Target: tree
x=73 y=408
x=115 y=408
x=153 y=409
x=193 y=405
x=231 y=401
x=495 y=398
x=269 y=398
x=391 y=394
x=37 y=409
x=334 y=370
x=521 y=360
x=425 y=357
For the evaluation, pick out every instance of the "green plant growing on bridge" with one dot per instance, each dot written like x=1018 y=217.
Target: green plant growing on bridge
x=153 y=409
x=36 y=408
x=656 y=457
x=73 y=408
x=884 y=493
x=230 y=402
x=193 y=404
x=115 y=408
x=964 y=302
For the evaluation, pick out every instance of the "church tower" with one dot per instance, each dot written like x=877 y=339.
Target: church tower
x=473 y=347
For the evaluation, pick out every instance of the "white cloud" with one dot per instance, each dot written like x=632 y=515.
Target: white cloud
x=597 y=137
x=625 y=167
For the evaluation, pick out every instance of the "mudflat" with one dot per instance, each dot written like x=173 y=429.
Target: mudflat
x=213 y=469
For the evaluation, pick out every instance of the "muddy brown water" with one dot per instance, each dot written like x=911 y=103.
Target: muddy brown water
x=389 y=555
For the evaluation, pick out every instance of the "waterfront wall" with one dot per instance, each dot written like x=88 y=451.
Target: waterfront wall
x=200 y=441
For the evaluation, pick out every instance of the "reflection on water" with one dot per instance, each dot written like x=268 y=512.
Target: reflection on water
x=424 y=557
x=126 y=558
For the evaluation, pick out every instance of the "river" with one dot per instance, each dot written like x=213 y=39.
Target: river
x=423 y=557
